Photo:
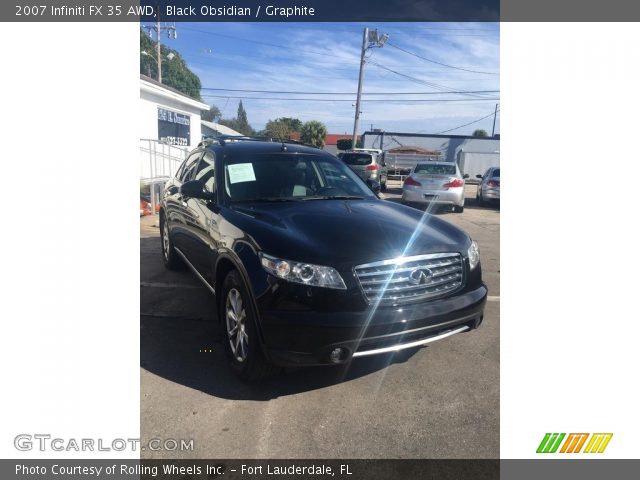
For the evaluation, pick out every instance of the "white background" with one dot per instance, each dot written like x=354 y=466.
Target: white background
x=570 y=236
x=69 y=346
x=70 y=339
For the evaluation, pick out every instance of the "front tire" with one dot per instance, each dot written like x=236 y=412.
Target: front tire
x=241 y=335
x=171 y=259
x=458 y=209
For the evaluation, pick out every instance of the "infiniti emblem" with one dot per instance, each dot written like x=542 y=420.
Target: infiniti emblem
x=420 y=276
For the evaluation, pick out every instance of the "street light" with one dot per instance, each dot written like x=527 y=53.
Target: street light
x=170 y=56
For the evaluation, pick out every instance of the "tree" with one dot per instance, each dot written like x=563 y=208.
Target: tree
x=211 y=115
x=294 y=124
x=480 y=133
x=347 y=143
x=240 y=123
x=242 y=114
x=175 y=72
x=278 y=129
x=313 y=133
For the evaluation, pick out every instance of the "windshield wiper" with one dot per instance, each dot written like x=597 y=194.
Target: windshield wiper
x=266 y=199
x=334 y=197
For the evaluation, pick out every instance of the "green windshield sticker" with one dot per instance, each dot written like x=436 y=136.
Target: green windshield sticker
x=241 y=172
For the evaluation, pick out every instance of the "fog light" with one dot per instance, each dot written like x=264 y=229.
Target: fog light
x=336 y=355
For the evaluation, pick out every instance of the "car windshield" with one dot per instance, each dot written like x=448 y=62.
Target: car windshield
x=356 y=158
x=496 y=173
x=291 y=177
x=436 y=168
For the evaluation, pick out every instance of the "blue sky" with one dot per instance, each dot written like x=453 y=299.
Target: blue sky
x=324 y=57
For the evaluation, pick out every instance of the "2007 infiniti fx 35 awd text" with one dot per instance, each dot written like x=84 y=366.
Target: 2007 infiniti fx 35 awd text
x=308 y=265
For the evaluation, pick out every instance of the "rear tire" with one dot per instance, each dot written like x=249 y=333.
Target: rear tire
x=241 y=340
x=383 y=186
x=170 y=257
x=458 y=209
x=479 y=199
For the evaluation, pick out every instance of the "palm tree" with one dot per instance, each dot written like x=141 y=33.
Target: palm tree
x=313 y=133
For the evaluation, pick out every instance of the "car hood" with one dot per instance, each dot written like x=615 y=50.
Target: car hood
x=345 y=233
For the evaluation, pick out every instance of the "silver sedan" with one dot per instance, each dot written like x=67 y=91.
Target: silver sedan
x=489 y=186
x=439 y=183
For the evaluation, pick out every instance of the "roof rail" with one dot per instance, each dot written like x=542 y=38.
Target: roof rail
x=223 y=139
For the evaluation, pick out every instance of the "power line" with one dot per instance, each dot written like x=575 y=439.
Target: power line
x=437 y=86
x=470 y=123
x=388 y=100
x=439 y=63
x=257 y=42
x=345 y=93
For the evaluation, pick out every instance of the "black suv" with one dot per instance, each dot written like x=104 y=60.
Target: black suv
x=308 y=265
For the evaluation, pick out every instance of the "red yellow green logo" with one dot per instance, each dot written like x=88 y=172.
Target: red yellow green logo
x=574 y=442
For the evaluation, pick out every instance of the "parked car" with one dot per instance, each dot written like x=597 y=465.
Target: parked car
x=368 y=164
x=439 y=183
x=489 y=186
x=308 y=266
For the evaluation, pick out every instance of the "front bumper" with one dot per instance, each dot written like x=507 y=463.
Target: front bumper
x=309 y=337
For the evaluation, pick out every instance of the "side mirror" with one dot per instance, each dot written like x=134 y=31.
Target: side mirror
x=374 y=186
x=466 y=175
x=478 y=176
x=195 y=189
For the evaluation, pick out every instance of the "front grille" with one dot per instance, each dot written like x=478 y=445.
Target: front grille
x=410 y=279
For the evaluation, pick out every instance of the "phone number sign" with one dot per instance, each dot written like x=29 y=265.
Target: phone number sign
x=174 y=128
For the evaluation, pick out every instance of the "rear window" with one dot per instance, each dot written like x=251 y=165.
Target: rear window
x=436 y=168
x=356 y=158
x=496 y=173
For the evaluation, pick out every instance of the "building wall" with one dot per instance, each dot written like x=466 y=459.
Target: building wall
x=448 y=145
x=148 y=114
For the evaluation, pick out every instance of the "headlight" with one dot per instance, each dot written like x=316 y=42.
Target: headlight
x=474 y=255
x=304 y=273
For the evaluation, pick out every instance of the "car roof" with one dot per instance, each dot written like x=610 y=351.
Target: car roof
x=264 y=146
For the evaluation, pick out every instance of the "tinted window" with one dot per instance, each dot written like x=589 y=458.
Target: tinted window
x=287 y=176
x=436 y=168
x=496 y=173
x=356 y=158
x=189 y=166
x=206 y=171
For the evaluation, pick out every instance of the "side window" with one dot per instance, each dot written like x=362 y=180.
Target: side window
x=189 y=166
x=206 y=172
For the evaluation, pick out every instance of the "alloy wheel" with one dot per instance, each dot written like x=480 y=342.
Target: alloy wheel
x=236 y=319
x=165 y=241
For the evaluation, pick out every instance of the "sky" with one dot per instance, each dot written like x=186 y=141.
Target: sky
x=324 y=58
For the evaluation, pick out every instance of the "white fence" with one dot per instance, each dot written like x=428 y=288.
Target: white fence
x=158 y=162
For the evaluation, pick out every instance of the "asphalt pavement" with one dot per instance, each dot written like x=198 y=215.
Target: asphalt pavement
x=439 y=401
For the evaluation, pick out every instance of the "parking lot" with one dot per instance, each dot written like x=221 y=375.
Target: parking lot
x=439 y=401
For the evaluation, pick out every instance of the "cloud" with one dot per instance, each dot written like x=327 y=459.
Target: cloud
x=325 y=58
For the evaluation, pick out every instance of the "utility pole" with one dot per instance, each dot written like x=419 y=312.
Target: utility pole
x=370 y=39
x=158 y=28
x=495 y=113
x=354 y=139
x=159 y=57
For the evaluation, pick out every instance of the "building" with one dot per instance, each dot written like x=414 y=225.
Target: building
x=169 y=127
x=212 y=129
x=169 y=116
x=448 y=147
x=330 y=141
